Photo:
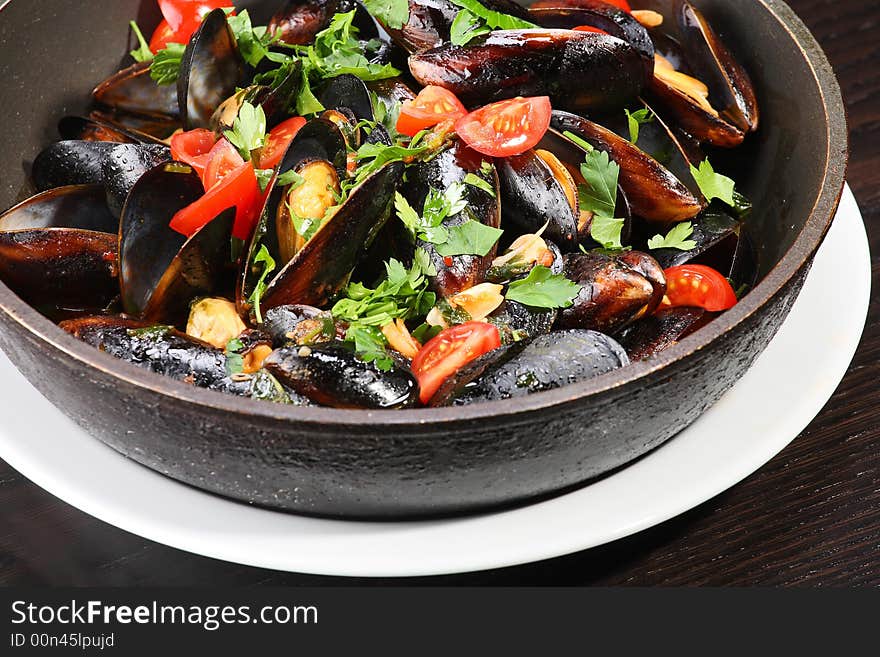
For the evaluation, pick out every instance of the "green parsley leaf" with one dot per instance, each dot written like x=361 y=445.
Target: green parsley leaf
x=289 y=178
x=677 y=238
x=264 y=258
x=264 y=177
x=166 y=64
x=337 y=50
x=637 y=119
x=713 y=185
x=248 y=130
x=474 y=180
x=391 y=13
x=544 y=289
x=607 y=232
x=369 y=343
x=426 y=332
x=599 y=195
x=143 y=52
x=469 y=238
x=234 y=360
x=253 y=42
x=480 y=20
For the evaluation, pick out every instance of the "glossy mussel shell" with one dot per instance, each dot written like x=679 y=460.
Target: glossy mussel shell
x=161 y=271
x=299 y=21
x=100 y=127
x=598 y=14
x=133 y=90
x=452 y=166
x=211 y=70
x=580 y=71
x=653 y=192
x=321 y=268
x=274 y=101
x=58 y=249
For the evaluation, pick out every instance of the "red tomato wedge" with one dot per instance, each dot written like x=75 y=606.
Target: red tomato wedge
x=589 y=28
x=620 y=4
x=509 y=127
x=185 y=16
x=698 y=286
x=223 y=159
x=163 y=35
x=432 y=106
x=238 y=189
x=278 y=140
x=194 y=148
x=451 y=350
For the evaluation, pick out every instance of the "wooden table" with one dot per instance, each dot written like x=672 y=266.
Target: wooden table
x=811 y=516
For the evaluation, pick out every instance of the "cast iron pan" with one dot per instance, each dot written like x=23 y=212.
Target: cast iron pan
x=394 y=464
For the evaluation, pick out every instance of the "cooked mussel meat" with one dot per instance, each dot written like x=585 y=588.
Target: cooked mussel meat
x=579 y=71
x=549 y=361
x=333 y=375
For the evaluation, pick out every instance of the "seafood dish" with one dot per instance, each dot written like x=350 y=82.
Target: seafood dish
x=389 y=205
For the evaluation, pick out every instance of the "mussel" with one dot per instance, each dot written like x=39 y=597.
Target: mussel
x=516 y=321
x=132 y=90
x=697 y=80
x=299 y=21
x=451 y=167
x=653 y=334
x=276 y=101
x=101 y=130
x=333 y=375
x=549 y=361
x=58 y=250
x=161 y=271
x=211 y=70
x=653 y=192
x=315 y=241
x=616 y=290
x=579 y=71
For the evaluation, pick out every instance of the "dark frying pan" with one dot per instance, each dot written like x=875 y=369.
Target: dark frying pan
x=422 y=462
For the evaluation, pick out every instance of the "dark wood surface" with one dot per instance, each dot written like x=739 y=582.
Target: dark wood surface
x=810 y=517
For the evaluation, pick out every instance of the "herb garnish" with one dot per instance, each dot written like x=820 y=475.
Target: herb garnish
x=712 y=184
x=248 y=131
x=474 y=180
x=474 y=20
x=599 y=195
x=253 y=42
x=166 y=64
x=264 y=258
x=143 y=52
x=234 y=359
x=677 y=238
x=637 y=119
x=391 y=13
x=469 y=238
x=544 y=289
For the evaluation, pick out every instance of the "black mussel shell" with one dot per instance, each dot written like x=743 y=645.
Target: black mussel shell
x=80 y=207
x=123 y=167
x=391 y=91
x=277 y=102
x=516 y=321
x=604 y=16
x=70 y=163
x=531 y=196
x=716 y=234
x=333 y=375
x=653 y=192
x=133 y=90
x=160 y=349
x=211 y=70
x=449 y=167
x=299 y=21
x=579 y=71
x=161 y=271
x=652 y=334
x=549 y=361
x=613 y=293
x=350 y=92
x=261 y=386
x=142 y=127
x=281 y=321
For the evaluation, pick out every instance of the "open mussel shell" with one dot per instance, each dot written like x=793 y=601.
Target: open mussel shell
x=333 y=375
x=123 y=167
x=275 y=102
x=717 y=236
x=348 y=92
x=211 y=70
x=58 y=249
x=160 y=349
x=143 y=127
x=70 y=163
x=161 y=271
x=655 y=333
x=132 y=90
x=615 y=291
x=391 y=91
x=451 y=167
x=653 y=192
x=547 y=362
x=601 y=15
x=579 y=71
x=516 y=321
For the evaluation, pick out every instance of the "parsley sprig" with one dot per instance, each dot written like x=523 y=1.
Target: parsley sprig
x=248 y=131
x=713 y=185
x=269 y=265
x=544 y=289
x=635 y=120
x=475 y=20
x=677 y=238
x=142 y=53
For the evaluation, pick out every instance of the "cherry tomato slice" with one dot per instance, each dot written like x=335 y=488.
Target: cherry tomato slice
x=194 y=148
x=163 y=35
x=509 y=127
x=589 y=28
x=278 y=140
x=451 y=350
x=223 y=159
x=698 y=286
x=238 y=189
x=620 y=4
x=433 y=105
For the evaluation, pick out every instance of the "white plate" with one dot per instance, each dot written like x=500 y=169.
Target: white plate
x=798 y=372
